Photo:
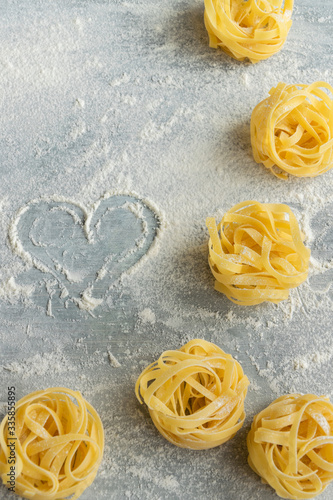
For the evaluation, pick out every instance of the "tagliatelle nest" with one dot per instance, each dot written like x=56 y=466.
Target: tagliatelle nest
x=293 y=130
x=195 y=395
x=253 y=29
x=256 y=253
x=290 y=445
x=57 y=445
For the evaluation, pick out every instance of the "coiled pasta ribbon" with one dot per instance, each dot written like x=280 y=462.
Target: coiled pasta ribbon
x=253 y=29
x=293 y=130
x=290 y=445
x=256 y=253
x=195 y=395
x=58 y=445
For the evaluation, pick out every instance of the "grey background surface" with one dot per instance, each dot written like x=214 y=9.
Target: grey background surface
x=102 y=95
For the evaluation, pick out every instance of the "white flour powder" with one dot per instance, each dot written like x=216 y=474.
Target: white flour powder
x=102 y=98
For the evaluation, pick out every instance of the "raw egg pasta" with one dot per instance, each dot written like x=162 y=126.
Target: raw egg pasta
x=195 y=395
x=256 y=253
x=293 y=130
x=290 y=445
x=58 y=445
x=252 y=29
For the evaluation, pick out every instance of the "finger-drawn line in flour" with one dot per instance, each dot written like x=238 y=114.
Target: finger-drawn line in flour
x=85 y=249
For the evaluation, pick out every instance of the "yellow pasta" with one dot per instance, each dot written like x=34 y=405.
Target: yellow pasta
x=252 y=29
x=256 y=253
x=195 y=395
x=57 y=445
x=290 y=445
x=293 y=130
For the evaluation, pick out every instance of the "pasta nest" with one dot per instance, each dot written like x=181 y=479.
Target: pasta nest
x=256 y=253
x=293 y=130
x=290 y=445
x=195 y=395
x=57 y=444
x=253 y=29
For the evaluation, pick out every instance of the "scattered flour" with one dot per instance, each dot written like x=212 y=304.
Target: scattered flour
x=87 y=302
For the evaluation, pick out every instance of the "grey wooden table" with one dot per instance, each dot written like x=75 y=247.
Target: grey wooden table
x=121 y=131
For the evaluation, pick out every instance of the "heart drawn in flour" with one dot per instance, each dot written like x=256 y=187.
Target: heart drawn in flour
x=85 y=249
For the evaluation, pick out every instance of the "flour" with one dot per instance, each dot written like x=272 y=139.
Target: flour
x=12 y=291
x=86 y=301
x=120 y=81
x=317 y=267
x=165 y=482
x=101 y=99
x=40 y=365
x=147 y=316
x=49 y=308
x=312 y=360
